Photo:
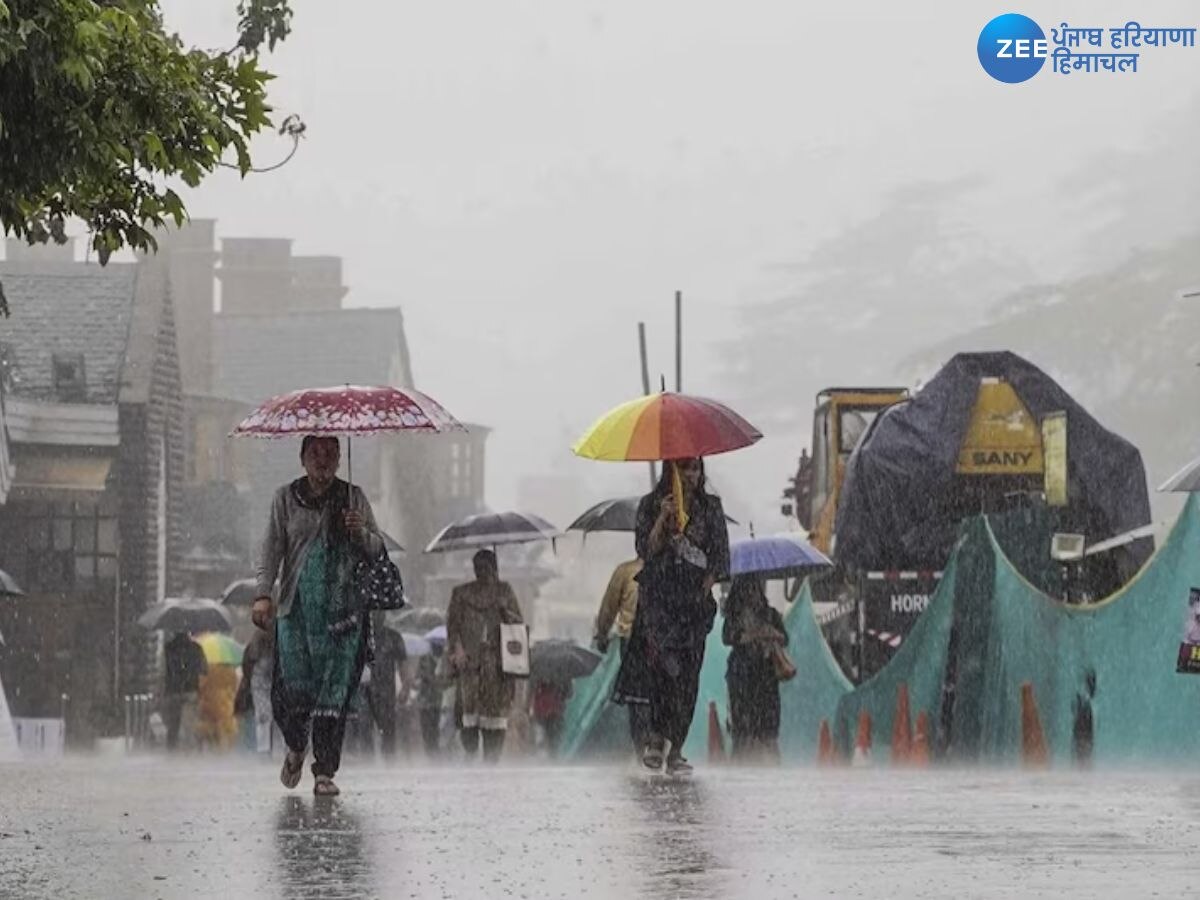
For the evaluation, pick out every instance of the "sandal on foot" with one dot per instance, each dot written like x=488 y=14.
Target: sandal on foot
x=652 y=756
x=324 y=787
x=293 y=769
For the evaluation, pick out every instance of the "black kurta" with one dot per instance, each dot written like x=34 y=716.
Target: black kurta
x=674 y=615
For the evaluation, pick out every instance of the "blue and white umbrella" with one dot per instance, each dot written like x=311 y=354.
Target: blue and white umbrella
x=784 y=556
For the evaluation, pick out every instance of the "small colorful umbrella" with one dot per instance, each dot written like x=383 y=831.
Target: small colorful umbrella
x=220 y=649
x=666 y=426
x=347 y=411
x=492 y=530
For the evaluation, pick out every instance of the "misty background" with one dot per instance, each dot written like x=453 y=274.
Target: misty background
x=842 y=194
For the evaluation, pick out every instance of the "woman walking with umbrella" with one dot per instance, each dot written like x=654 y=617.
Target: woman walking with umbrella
x=320 y=527
x=317 y=524
x=683 y=542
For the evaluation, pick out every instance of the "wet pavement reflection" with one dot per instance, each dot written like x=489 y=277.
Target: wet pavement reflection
x=156 y=828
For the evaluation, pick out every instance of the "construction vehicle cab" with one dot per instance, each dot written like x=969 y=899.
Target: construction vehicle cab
x=841 y=418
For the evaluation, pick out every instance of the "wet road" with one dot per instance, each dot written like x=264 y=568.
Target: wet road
x=153 y=828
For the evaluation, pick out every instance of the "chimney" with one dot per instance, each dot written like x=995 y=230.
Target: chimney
x=256 y=276
x=189 y=259
x=317 y=283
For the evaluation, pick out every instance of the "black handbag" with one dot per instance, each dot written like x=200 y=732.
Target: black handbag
x=377 y=584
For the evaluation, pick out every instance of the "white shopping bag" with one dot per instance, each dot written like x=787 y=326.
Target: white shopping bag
x=514 y=650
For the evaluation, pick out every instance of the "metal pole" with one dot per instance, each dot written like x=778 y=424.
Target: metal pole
x=117 y=633
x=679 y=342
x=646 y=386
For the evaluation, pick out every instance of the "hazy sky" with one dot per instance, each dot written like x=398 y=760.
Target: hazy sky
x=529 y=179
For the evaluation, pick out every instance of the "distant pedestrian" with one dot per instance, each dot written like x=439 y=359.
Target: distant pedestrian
x=618 y=609
x=431 y=684
x=318 y=528
x=184 y=662
x=253 y=699
x=755 y=631
x=682 y=539
x=549 y=705
x=381 y=689
x=476 y=612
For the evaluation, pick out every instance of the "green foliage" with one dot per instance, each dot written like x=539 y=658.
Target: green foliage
x=100 y=106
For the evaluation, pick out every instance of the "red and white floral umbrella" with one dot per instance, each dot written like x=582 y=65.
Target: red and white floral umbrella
x=347 y=411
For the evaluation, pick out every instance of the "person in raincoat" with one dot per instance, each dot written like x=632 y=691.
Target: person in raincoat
x=216 y=726
x=618 y=609
x=753 y=629
x=477 y=610
x=319 y=527
x=683 y=543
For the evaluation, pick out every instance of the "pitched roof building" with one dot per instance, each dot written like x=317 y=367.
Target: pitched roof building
x=91 y=529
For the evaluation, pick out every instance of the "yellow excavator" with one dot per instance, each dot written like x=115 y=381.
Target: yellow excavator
x=1005 y=455
x=1001 y=453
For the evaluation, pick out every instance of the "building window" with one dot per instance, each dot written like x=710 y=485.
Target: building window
x=68 y=545
x=70 y=382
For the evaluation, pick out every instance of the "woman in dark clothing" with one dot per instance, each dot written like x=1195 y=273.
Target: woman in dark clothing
x=682 y=539
x=752 y=629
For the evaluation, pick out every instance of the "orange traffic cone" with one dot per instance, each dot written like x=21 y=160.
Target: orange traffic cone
x=1034 y=752
x=862 y=743
x=919 y=754
x=901 y=728
x=716 y=744
x=825 y=754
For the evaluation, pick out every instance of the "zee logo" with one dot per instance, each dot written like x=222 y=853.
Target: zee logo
x=1012 y=48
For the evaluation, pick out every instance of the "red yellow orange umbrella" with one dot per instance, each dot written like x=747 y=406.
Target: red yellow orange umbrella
x=666 y=426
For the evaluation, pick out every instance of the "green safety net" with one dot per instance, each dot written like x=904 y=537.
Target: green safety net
x=988 y=630
x=594 y=726
x=1127 y=644
x=920 y=663
x=819 y=684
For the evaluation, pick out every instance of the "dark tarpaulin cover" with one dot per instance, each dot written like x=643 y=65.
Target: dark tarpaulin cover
x=900 y=479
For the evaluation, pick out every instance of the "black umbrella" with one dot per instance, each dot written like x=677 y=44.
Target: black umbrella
x=9 y=586
x=492 y=530
x=619 y=514
x=241 y=592
x=416 y=620
x=191 y=614
x=558 y=660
